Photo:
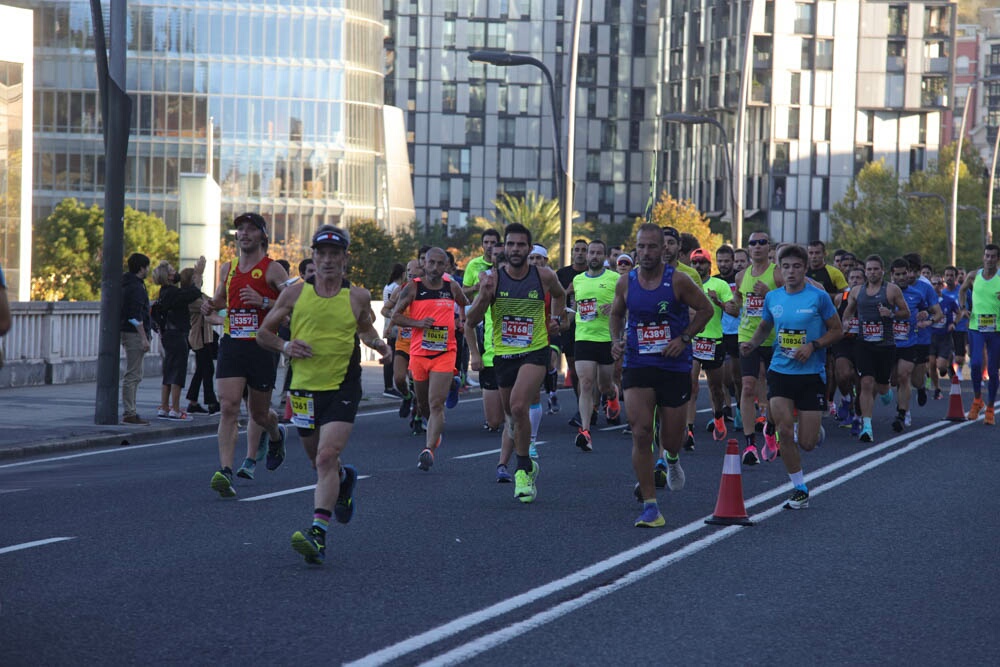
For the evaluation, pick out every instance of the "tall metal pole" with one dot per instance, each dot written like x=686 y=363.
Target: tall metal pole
x=117 y=111
x=989 y=195
x=737 y=165
x=954 y=182
x=565 y=256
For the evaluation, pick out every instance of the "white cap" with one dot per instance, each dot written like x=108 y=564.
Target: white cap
x=539 y=250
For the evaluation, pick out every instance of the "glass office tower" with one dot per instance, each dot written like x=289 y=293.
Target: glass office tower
x=294 y=89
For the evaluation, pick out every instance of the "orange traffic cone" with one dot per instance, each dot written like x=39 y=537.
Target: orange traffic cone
x=956 y=412
x=729 y=508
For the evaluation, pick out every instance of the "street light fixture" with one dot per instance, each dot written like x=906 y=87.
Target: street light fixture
x=562 y=178
x=694 y=119
x=947 y=227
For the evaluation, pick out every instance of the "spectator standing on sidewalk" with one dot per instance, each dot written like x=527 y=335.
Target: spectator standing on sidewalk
x=135 y=332
x=204 y=342
x=174 y=301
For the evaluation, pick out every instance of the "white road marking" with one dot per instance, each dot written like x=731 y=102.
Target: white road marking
x=11 y=490
x=487 y=453
x=464 y=623
x=36 y=543
x=287 y=492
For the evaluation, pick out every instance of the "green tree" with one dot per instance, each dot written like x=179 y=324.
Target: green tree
x=66 y=261
x=372 y=255
x=541 y=216
x=684 y=216
x=872 y=218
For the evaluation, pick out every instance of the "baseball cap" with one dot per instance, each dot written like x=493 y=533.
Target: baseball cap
x=331 y=236
x=539 y=250
x=699 y=254
x=625 y=258
x=253 y=218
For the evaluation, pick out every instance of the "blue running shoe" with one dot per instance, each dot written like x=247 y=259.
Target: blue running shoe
x=311 y=544
x=650 y=518
x=276 y=450
x=856 y=426
x=532 y=450
x=344 y=509
x=503 y=475
x=246 y=470
x=452 y=399
x=844 y=411
x=737 y=415
x=887 y=397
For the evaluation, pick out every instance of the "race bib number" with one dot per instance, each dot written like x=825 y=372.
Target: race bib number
x=243 y=323
x=653 y=337
x=435 y=339
x=517 y=331
x=303 y=409
x=755 y=305
x=587 y=310
x=872 y=332
x=704 y=348
x=901 y=329
x=405 y=333
x=790 y=340
x=939 y=326
x=851 y=327
x=987 y=323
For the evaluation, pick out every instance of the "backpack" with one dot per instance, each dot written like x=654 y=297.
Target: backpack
x=157 y=316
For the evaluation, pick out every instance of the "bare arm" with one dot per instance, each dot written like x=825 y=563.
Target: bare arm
x=895 y=296
x=404 y=301
x=616 y=320
x=555 y=290
x=361 y=304
x=267 y=334
x=487 y=288
x=218 y=302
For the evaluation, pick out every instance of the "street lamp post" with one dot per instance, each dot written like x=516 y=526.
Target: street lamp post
x=562 y=178
x=989 y=194
x=947 y=227
x=695 y=119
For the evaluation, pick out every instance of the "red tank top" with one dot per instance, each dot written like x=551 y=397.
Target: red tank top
x=440 y=305
x=243 y=320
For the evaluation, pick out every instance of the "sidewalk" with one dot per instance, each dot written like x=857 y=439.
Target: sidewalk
x=57 y=418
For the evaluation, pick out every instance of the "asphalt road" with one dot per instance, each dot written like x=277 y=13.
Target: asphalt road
x=896 y=561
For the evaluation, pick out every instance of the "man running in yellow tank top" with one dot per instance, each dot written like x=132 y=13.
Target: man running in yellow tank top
x=328 y=318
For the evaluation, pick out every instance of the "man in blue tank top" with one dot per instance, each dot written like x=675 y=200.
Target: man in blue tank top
x=806 y=323
x=656 y=347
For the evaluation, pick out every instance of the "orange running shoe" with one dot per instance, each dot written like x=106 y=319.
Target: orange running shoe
x=989 y=419
x=977 y=405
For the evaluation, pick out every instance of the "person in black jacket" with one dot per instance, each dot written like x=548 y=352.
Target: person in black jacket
x=174 y=301
x=134 y=333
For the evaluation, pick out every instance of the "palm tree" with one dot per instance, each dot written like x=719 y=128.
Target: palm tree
x=540 y=215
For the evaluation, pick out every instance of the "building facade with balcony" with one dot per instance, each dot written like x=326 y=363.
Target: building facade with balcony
x=830 y=85
x=295 y=88
x=476 y=130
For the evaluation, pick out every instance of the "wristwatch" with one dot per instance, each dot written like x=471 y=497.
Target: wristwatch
x=685 y=338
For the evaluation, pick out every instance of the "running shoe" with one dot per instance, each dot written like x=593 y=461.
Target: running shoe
x=938 y=395
x=161 y=413
x=222 y=483
x=897 y=423
x=799 y=500
x=908 y=419
x=759 y=423
x=524 y=484
x=246 y=470
x=503 y=476
x=989 y=419
x=405 y=405
x=767 y=452
x=418 y=427
x=834 y=410
x=583 y=441
x=866 y=434
x=650 y=518
x=196 y=409
x=392 y=392
x=176 y=416
x=614 y=408
x=710 y=426
x=553 y=404
x=750 y=457
x=921 y=396
x=844 y=412
x=976 y=408
x=856 y=426
x=425 y=460
x=689 y=441
x=452 y=399
x=737 y=415
x=675 y=476
x=637 y=492
x=490 y=429
x=311 y=544
x=660 y=474
x=276 y=450
x=344 y=509
x=887 y=397
x=771 y=435
x=719 y=430
x=532 y=450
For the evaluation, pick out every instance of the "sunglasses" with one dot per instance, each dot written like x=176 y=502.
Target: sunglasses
x=757 y=242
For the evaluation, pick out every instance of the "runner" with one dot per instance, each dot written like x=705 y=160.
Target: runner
x=401 y=357
x=708 y=350
x=985 y=288
x=567 y=336
x=515 y=295
x=247 y=289
x=960 y=334
x=656 y=345
x=941 y=353
x=540 y=257
x=754 y=283
x=725 y=258
x=328 y=318
x=876 y=303
x=806 y=322
x=849 y=414
x=593 y=292
x=431 y=301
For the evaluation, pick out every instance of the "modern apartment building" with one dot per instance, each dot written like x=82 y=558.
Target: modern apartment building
x=295 y=88
x=829 y=87
x=15 y=150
